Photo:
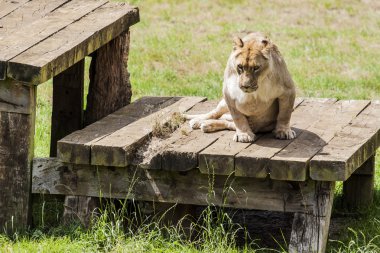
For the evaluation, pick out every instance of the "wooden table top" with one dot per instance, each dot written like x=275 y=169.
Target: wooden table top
x=41 y=38
x=334 y=137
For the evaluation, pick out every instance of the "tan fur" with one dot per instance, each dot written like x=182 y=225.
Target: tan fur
x=258 y=92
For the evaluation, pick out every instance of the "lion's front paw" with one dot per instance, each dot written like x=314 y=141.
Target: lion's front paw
x=244 y=137
x=195 y=123
x=285 y=134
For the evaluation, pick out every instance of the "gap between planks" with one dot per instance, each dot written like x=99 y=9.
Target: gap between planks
x=25 y=37
x=56 y=53
x=118 y=149
x=219 y=157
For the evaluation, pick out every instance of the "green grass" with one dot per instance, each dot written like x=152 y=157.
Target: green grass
x=181 y=47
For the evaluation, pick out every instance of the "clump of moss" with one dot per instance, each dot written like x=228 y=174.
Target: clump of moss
x=163 y=130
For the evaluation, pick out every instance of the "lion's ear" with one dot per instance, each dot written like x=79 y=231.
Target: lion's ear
x=238 y=43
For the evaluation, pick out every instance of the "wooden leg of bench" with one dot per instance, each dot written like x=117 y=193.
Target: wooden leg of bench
x=17 y=117
x=67 y=115
x=109 y=90
x=358 y=188
x=310 y=230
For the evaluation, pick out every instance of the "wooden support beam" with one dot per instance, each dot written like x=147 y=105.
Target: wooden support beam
x=359 y=187
x=16 y=153
x=310 y=230
x=109 y=90
x=68 y=95
x=190 y=187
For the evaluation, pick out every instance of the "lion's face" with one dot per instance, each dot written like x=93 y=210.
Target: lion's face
x=251 y=62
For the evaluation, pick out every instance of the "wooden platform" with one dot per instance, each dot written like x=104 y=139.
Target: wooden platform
x=129 y=155
x=49 y=39
x=333 y=139
x=41 y=38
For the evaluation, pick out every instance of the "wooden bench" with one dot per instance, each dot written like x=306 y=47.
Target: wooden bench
x=44 y=39
x=119 y=157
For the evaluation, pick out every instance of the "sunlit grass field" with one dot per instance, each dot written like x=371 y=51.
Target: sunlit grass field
x=332 y=49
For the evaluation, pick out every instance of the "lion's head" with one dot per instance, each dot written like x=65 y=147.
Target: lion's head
x=251 y=60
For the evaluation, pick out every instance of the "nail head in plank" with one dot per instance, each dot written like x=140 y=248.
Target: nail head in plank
x=56 y=53
x=292 y=162
x=117 y=149
x=350 y=147
x=75 y=148
x=253 y=161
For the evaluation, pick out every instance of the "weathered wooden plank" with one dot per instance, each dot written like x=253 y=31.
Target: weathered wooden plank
x=8 y=6
x=350 y=147
x=75 y=148
x=16 y=153
x=149 y=155
x=310 y=230
x=29 y=12
x=56 y=53
x=15 y=97
x=358 y=188
x=182 y=155
x=191 y=187
x=253 y=161
x=117 y=149
x=28 y=35
x=292 y=162
x=219 y=157
x=67 y=115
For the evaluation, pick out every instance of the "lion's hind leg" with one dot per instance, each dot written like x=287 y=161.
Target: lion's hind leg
x=197 y=120
x=213 y=125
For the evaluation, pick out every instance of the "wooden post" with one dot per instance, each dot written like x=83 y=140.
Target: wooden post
x=17 y=118
x=67 y=115
x=109 y=90
x=358 y=188
x=310 y=230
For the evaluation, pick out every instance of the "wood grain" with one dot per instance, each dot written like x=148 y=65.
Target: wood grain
x=349 y=148
x=8 y=6
x=117 y=149
x=310 y=230
x=16 y=153
x=15 y=97
x=110 y=88
x=219 y=157
x=75 y=148
x=29 y=12
x=358 y=189
x=149 y=155
x=254 y=160
x=67 y=115
x=58 y=52
x=292 y=162
x=28 y=35
x=190 y=187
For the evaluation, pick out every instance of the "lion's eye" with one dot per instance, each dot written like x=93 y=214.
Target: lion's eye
x=240 y=68
x=255 y=68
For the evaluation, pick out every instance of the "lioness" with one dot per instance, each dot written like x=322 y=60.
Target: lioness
x=258 y=93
